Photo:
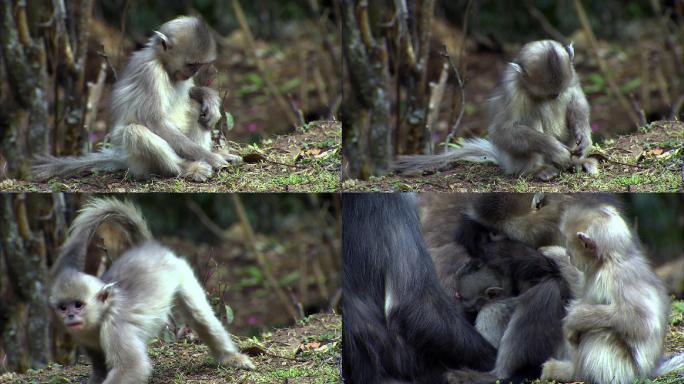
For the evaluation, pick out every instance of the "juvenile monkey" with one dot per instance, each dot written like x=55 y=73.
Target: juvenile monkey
x=538 y=120
x=617 y=326
x=156 y=127
x=114 y=316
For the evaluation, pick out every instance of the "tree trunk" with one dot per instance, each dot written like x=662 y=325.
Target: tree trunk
x=26 y=328
x=366 y=112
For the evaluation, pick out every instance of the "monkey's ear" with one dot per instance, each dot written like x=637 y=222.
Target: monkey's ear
x=517 y=67
x=162 y=39
x=586 y=241
x=105 y=292
x=493 y=292
x=570 y=50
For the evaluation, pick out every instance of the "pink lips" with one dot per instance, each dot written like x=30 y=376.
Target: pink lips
x=75 y=325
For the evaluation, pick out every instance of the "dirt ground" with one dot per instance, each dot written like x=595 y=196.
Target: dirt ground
x=308 y=352
x=647 y=161
x=305 y=161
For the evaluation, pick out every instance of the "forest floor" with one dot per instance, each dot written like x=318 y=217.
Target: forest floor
x=650 y=160
x=305 y=161
x=308 y=352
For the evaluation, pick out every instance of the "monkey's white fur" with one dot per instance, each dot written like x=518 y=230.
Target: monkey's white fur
x=617 y=326
x=130 y=304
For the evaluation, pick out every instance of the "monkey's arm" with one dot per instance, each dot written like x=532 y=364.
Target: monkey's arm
x=584 y=317
x=520 y=141
x=577 y=116
x=126 y=354
x=98 y=365
x=183 y=146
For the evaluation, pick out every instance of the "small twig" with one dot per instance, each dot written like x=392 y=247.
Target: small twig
x=638 y=109
x=462 y=63
x=677 y=107
x=94 y=95
x=434 y=103
x=204 y=219
x=103 y=54
x=297 y=111
x=119 y=52
x=544 y=23
x=459 y=83
x=645 y=89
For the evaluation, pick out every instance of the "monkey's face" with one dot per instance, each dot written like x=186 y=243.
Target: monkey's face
x=72 y=314
x=528 y=218
x=478 y=285
x=184 y=45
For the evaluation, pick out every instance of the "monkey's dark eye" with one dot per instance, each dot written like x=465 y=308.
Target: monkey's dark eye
x=62 y=307
x=193 y=67
x=78 y=304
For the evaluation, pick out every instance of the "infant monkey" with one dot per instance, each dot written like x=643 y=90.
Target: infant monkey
x=161 y=121
x=538 y=120
x=616 y=328
x=114 y=316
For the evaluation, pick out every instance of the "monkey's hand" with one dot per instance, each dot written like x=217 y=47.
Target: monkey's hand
x=210 y=106
x=582 y=143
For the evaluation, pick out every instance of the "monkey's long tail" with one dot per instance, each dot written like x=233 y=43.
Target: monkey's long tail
x=673 y=363
x=107 y=160
x=125 y=215
x=474 y=150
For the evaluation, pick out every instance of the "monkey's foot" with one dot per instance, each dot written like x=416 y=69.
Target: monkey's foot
x=590 y=166
x=556 y=369
x=197 y=171
x=554 y=252
x=547 y=173
x=237 y=360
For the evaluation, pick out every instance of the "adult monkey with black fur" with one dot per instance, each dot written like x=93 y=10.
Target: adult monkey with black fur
x=529 y=218
x=616 y=328
x=538 y=120
x=457 y=226
x=113 y=317
x=156 y=127
x=399 y=324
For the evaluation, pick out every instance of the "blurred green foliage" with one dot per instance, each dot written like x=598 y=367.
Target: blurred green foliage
x=511 y=20
x=659 y=219
x=275 y=213
x=266 y=17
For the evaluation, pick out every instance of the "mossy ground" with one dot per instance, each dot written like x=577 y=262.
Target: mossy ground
x=305 y=161
x=650 y=160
